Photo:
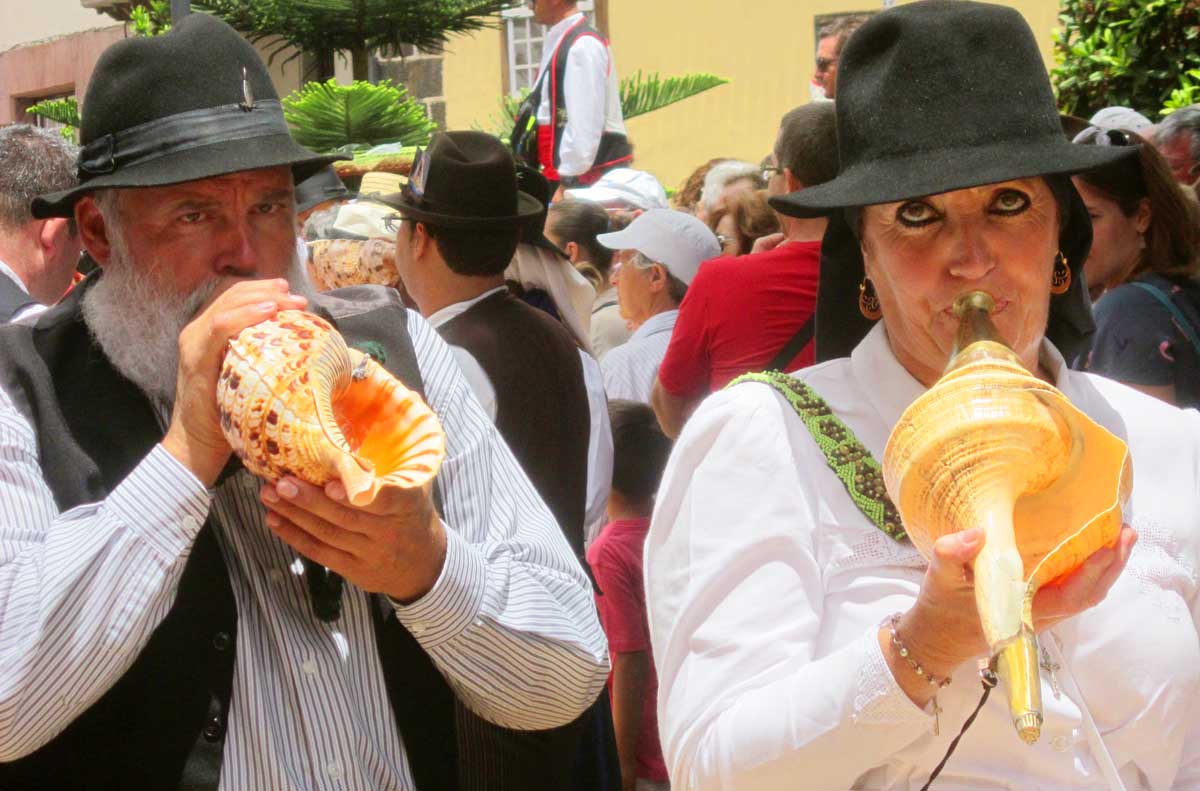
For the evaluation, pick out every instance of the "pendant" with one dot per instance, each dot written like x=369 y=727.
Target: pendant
x=1051 y=667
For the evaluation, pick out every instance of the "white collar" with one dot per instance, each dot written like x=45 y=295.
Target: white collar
x=554 y=35
x=5 y=269
x=440 y=317
x=659 y=322
x=890 y=388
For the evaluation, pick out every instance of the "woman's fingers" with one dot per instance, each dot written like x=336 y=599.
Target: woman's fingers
x=953 y=556
x=1087 y=586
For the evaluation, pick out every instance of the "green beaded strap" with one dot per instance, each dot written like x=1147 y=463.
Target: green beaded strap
x=847 y=457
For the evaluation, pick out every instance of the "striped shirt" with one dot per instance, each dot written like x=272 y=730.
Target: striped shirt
x=510 y=623
x=630 y=369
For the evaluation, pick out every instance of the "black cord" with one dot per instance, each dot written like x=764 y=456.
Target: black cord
x=988 y=678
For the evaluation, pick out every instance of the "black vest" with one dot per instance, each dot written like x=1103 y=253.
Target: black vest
x=162 y=725
x=541 y=399
x=615 y=149
x=12 y=299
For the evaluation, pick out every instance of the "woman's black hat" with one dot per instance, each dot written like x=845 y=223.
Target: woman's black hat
x=936 y=96
x=322 y=186
x=465 y=180
x=192 y=104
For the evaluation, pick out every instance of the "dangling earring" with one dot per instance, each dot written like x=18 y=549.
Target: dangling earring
x=1060 y=281
x=868 y=303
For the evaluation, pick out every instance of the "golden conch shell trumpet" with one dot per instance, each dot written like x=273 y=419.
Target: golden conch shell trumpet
x=295 y=400
x=992 y=446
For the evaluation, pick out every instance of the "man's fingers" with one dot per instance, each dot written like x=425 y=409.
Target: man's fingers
x=391 y=500
x=294 y=496
x=303 y=542
x=345 y=540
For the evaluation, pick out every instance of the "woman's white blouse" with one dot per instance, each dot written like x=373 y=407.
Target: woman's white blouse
x=766 y=587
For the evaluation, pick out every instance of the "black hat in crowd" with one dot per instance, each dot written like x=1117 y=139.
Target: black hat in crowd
x=322 y=186
x=533 y=230
x=932 y=97
x=195 y=103
x=465 y=180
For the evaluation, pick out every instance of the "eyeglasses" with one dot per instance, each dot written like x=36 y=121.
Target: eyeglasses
x=392 y=222
x=770 y=170
x=1096 y=136
x=823 y=64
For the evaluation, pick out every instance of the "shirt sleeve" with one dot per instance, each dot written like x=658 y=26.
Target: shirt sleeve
x=511 y=622
x=600 y=449
x=685 y=371
x=622 y=603
x=735 y=594
x=585 y=87
x=1135 y=338
x=82 y=591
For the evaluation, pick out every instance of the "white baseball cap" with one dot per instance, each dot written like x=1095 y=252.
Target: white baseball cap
x=675 y=239
x=625 y=187
x=1118 y=117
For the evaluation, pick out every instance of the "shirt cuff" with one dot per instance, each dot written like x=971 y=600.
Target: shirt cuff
x=163 y=503
x=879 y=700
x=455 y=600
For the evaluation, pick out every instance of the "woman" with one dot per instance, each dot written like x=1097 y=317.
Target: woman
x=771 y=594
x=1144 y=260
x=742 y=220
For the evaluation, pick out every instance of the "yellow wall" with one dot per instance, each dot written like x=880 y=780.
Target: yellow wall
x=765 y=47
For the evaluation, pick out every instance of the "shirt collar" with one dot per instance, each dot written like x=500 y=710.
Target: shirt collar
x=6 y=270
x=440 y=317
x=890 y=388
x=659 y=322
x=555 y=34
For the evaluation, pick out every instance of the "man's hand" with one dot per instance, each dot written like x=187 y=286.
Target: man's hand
x=194 y=436
x=396 y=545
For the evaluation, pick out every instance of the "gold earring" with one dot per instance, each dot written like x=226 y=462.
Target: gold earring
x=1060 y=281
x=868 y=302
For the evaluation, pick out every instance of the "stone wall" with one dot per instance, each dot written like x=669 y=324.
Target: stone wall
x=419 y=72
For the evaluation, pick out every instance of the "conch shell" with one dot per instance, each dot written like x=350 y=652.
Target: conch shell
x=338 y=263
x=295 y=400
x=992 y=446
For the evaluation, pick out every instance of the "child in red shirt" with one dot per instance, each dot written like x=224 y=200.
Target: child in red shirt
x=640 y=451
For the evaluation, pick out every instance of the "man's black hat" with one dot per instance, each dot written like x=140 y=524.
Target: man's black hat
x=936 y=96
x=533 y=229
x=322 y=186
x=465 y=180
x=195 y=103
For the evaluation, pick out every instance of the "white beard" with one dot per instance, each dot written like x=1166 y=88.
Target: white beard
x=135 y=316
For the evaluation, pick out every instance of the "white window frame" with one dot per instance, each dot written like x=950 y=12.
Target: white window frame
x=532 y=45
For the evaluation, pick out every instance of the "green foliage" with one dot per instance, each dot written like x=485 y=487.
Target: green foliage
x=152 y=19
x=324 y=27
x=1143 y=54
x=60 y=111
x=641 y=94
x=325 y=116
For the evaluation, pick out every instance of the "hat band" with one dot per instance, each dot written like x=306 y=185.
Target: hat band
x=180 y=132
x=424 y=203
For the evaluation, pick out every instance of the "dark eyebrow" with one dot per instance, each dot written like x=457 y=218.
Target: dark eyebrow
x=282 y=195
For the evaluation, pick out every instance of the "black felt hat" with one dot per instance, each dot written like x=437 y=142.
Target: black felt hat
x=465 y=180
x=936 y=96
x=322 y=186
x=193 y=104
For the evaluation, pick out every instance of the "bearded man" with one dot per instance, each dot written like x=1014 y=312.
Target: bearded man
x=156 y=629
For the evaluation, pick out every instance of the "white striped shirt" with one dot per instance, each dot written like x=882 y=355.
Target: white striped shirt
x=510 y=622
x=631 y=368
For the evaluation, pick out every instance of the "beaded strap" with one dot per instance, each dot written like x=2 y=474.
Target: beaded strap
x=847 y=457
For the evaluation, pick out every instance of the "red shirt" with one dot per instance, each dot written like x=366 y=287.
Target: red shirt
x=738 y=314
x=616 y=560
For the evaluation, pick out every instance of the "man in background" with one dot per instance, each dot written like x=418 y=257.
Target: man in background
x=571 y=123
x=830 y=41
x=1177 y=138
x=755 y=311
x=37 y=257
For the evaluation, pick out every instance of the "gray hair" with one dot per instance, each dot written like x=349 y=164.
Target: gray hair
x=842 y=28
x=33 y=162
x=725 y=173
x=1185 y=120
x=676 y=288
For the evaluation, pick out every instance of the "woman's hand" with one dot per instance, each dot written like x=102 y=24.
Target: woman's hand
x=942 y=630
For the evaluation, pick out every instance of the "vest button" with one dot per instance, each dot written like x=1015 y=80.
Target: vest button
x=214 y=730
x=221 y=641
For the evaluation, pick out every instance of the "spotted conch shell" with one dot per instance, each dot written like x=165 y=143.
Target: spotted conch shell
x=992 y=446
x=338 y=263
x=295 y=400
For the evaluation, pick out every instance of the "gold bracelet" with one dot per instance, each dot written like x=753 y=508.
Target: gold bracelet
x=903 y=651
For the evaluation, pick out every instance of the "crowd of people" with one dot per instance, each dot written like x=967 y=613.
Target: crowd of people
x=639 y=566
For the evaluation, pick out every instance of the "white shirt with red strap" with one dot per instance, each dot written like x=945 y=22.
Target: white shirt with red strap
x=592 y=95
